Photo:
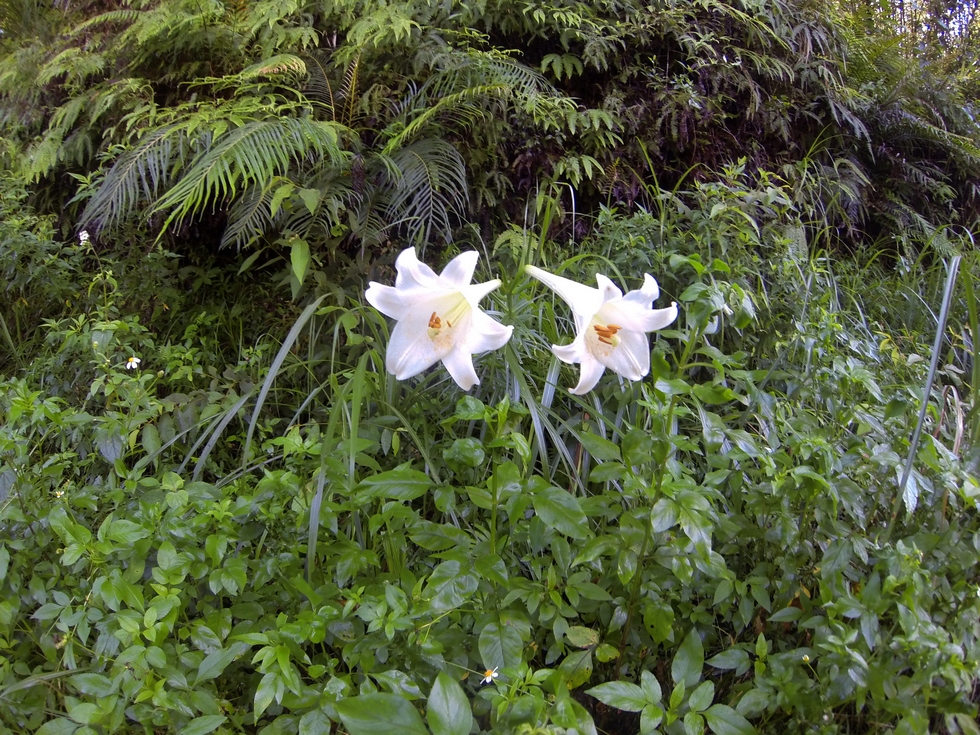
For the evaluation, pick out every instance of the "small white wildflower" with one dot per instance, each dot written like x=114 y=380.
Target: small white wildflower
x=489 y=675
x=59 y=493
x=133 y=363
x=83 y=237
x=806 y=658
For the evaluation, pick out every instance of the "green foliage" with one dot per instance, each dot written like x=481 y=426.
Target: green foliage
x=297 y=542
x=221 y=514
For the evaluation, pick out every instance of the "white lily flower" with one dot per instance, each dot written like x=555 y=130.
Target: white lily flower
x=611 y=329
x=438 y=317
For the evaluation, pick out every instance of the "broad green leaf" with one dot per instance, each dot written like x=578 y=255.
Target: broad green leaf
x=582 y=637
x=94 y=685
x=467 y=452
x=664 y=515
x=265 y=693
x=702 y=697
x=601 y=449
x=448 y=709
x=577 y=668
x=299 y=257
x=723 y=720
x=125 y=532
x=621 y=695
x=693 y=724
x=311 y=198
x=650 y=718
x=380 y=714
x=689 y=660
x=753 y=703
x=57 y=726
x=314 y=723
x=786 y=615
x=397 y=484
x=4 y=562
x=86 y=713
x=449 y=586
x=203 y=725
x=651 y=687
x=500 y=645
x=733 y=658
x=217 y=661
x=561 y=510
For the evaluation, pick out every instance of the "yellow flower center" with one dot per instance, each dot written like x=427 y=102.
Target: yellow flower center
x=440 y=326
x=607 y=334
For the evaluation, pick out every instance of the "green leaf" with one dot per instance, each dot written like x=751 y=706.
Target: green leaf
x=203 y=725
x=500 y=645
x=651 y=687
x=577 y=668
x=753 y=703
x=723 y=720
x=733 y=658
x=582 y=637
x=217 y=661
x=311 y=198
x=86 y=713
x=689 y=660
x=58 y=726
x=315 y=722
x=561 y=510
x=448 y=709
x=4 y=561
x=398 y=484
x=380 y=714
x=786 y=615
x=265 y=693
x=650 y=717
x=125 y=532
x=94 y=685
x=702 y=697
x=601 y=449
x=621 y=695
x=449 y=586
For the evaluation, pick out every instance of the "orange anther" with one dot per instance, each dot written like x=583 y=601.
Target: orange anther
x=435 y=322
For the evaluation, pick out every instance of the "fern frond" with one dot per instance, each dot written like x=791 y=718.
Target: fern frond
x=248 y=218
x=250 y=155
x=430 y=191
x=138 y=176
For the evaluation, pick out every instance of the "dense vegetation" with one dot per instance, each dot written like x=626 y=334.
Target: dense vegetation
x=219 y=512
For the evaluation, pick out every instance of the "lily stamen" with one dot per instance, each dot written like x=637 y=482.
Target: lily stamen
x=435 y=322
x=607 y=334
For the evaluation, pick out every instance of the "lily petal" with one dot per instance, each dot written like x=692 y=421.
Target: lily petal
x=413 y=273
x=580 y=299
x=385 y=299
x=459 y=363
x=486 y=334
x=459 y=271
x=646 y=295
x=410 y=351
x=590 y=373
x=631 y=358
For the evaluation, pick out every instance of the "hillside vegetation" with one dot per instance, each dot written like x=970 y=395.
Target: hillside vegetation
x=754 y=509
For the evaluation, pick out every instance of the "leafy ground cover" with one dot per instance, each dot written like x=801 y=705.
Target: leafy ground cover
x=257 y=529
